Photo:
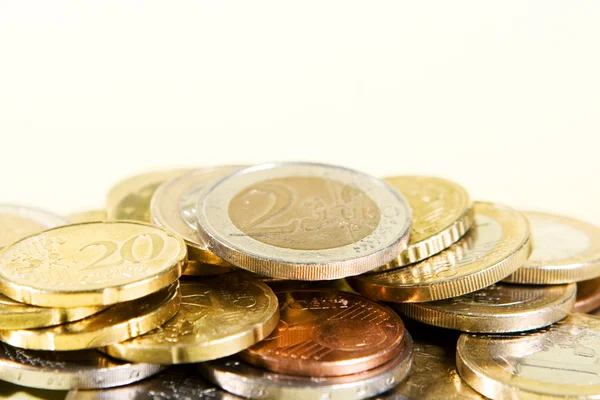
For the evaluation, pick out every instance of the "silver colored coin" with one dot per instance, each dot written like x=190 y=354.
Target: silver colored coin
x=18 y=222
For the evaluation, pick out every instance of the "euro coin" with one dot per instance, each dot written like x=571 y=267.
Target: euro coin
x=588 y=296
x=18 y=222
x=87 y=216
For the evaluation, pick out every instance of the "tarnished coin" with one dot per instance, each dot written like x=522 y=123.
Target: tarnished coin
x=497 y=308
x=328 y=333
x=303 y=221
x=115 y=324
x=588 y=296
x=130 y=199
x=565 y=250
x=87 y=216
x=557 y=362
x=18 y=222
x=495 y=247
x=10 y=391
x=90 y=264
x=66 y=370
x=218 y=317
x=442 y=214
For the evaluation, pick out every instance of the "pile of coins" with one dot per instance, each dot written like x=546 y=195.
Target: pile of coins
x=287 y=281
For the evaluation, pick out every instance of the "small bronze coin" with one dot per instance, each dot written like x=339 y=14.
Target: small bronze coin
x=588 y=296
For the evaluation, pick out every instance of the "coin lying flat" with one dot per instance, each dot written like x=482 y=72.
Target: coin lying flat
x=218 y=317
x=86 y=369
x=115 y=324
x=87 y=216
x=303 y=221
x=495 y=247
x=328 y=333
x=497 y=308
x=565 y=250
x=18 y=222
x=588 y=296
x=442 y=214
x=91 y=264
x=556 y=362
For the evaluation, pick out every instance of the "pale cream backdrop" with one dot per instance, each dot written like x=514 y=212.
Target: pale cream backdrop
x=503 y=97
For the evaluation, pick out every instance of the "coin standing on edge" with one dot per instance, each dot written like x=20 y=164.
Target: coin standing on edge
x=219 y=316
x=588 y=296
x=87 y=216
x=18 y=222
x=303 y=221
x=494 y=248
x=497 y=308
x=91 y=264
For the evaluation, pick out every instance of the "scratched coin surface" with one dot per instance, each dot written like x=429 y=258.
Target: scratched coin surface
x=87 y=216
x=86 y=369
x=18 y=222
x=115 y=324
x=494 y=248
x=90 y=264
x=328 y=333
x=219 y=316
x=442 y=214
x=557 y=362
x=497 y=308
x=588 y=296
x=303 y=221
x=564 y=250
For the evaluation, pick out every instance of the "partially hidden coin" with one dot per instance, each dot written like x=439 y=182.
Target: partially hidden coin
x=115 y=324
x=18 y=222
x=10 y=391
x=279 y=285
x=565 y=250
x=557 y=362
x=65 y=370
x=328 y=333
x=494 y=248
x=219 y=316
x=91 y=264
x=248 y=381
x=87 y=216
x=497 y=308
x=442 y=214
x=588 y=296
x=303 y=221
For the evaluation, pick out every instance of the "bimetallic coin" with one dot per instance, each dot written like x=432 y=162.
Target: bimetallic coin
x=18 y=222
x=87 y=216
x=328 y=333
x=303 y=221
x=218 y=317
x=52 y=370
x=115 y=324
x=565 y=250
x=245 y=380
x=588 y=296
x=494 y=248
x=442 y=214
x=91 y=264
x=497 y=308
x=557 y=362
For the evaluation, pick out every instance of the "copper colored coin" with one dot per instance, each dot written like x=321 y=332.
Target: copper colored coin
x=328 y=333
x=588 y=296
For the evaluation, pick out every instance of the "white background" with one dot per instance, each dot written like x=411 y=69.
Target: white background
x=503 y=97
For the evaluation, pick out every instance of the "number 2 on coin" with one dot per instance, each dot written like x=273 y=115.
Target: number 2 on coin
x=126 y=251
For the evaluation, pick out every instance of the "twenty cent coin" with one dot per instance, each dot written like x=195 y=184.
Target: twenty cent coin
x=18 y=222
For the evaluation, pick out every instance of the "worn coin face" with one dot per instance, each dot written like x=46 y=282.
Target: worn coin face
x=497 y=308
x=90 y=264
x=565 y=250
x=18 y=222
x=328 y=333
x=218 y=317
x=115 y=324
x=87 y=216
x=588 y=296
x=495 y=247
x=303 y=221
x=556 y=362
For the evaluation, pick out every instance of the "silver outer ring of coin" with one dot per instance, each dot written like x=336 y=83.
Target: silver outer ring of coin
x=44 y=218
x=223 y=238
x=248 y=381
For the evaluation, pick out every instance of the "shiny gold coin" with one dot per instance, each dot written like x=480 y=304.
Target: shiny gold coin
x=218 y=317
x=442 y=214
x=565 y=250
x=91 y=264
x=495 y=247
x=87 y=216
x=497 y=308
x=557 y=362
x=588 y=296
x=130 y=199
x=117 y=323
x=17 y=222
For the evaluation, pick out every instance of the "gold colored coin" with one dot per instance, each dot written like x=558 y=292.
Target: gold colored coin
x=115 y=324
x=218 y=317
x=495 y=247
x=91 y=264
x=565 y=250
x=442 y=214
x=87 y=216
x=557 y=362
x=18 y=222
x=497 y=308
x=130 y=199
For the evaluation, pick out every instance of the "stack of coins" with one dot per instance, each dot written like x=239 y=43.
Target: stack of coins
x=297 y=281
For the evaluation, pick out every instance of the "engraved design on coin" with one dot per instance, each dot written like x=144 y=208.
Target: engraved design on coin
x=136 y=205
x=18 y=222
x=554 y=240
x=498 y=296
